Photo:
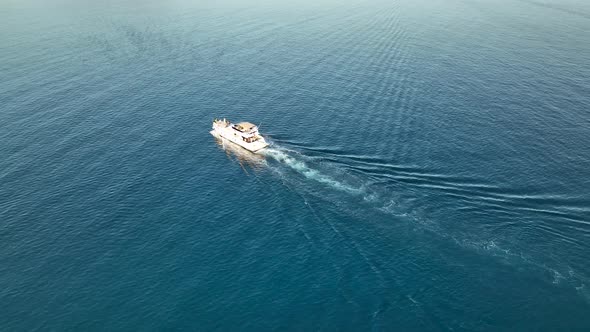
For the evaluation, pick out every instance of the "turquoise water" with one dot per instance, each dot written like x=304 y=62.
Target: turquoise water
x=430 y=166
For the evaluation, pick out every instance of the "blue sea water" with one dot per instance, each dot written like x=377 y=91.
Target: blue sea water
x=429 y=168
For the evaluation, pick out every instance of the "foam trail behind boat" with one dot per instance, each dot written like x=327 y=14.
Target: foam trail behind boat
x=301 y=167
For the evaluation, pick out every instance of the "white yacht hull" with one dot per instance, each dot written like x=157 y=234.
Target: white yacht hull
x=230 y=135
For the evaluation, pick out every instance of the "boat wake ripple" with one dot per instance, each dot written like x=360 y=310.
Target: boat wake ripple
x=405 y=201
x=282 y=156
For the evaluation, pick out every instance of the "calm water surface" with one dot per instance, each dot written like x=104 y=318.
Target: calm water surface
x=430 y=167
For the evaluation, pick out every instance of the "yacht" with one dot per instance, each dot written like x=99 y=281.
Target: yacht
x=244 y=134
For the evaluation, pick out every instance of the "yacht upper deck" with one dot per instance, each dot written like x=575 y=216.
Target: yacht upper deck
x=245 y=127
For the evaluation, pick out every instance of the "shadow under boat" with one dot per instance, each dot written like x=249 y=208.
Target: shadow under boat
x=255 y=161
